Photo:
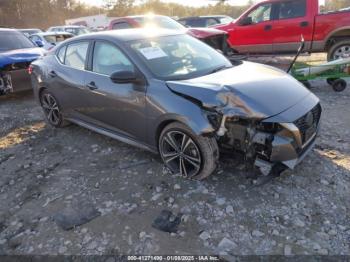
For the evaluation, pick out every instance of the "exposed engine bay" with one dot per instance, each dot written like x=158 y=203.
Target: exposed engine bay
x=5 y=83
x=14 y=75
x=267 y=145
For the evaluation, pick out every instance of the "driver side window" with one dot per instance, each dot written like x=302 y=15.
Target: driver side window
x=261 y=14
x=108 y=59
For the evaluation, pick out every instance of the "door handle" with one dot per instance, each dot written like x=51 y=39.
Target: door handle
x=52 y=74
x=92 y=86
x=268 y=27
x=304 y=24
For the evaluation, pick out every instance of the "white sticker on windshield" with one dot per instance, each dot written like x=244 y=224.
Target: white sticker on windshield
x=152 y=52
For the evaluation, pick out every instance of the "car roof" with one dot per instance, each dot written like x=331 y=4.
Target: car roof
x=8 y=30
x=29 y=29
x=53 y=33
x=126 y=35
x=68 y=26
x=203 y=16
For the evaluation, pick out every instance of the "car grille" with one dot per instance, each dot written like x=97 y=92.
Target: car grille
x=308 y=123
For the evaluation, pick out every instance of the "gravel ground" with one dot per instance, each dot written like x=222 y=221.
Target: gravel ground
x=117 y=191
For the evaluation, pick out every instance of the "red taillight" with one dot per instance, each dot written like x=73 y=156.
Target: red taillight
x=30 y=69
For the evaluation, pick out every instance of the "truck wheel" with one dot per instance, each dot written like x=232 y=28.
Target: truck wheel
x=187 y=154
x=340 y=49
x=339 y=85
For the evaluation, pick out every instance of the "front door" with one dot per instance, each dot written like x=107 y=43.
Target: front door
x=253 y=33
x=117 y=107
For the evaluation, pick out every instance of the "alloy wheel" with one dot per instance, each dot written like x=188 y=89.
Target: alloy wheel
x=51 y=109
x=342 y=52
x=180 y=154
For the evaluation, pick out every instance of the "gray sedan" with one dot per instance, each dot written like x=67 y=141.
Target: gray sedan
x=170 y=93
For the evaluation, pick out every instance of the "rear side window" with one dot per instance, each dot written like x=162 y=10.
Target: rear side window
x=109 y=59
x=76 y=55
x=292 y=9
x=61 y=54
x=197 y=23
x=121 y=25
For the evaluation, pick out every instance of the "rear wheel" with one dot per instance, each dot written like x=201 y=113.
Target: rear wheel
x=340 y=49
x=339 y=85
x=187 y=154
x=52 y=110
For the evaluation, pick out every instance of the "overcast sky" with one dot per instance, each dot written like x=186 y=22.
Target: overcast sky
x=185 y=2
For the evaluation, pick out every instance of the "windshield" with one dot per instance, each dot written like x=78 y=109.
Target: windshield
x=53 y=39
x=179 y=57
x=159 y=21
x=14 y=40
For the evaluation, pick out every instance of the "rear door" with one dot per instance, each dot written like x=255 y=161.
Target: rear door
x=256 y=35
x=116 y=107
x=292 y=23
x=66 y=78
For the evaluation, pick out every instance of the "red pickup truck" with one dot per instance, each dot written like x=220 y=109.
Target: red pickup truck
x=276 y=26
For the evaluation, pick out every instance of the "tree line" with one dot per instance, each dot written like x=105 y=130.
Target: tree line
x=45 y=13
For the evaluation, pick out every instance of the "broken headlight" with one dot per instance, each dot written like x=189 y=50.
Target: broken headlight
x=266 y=127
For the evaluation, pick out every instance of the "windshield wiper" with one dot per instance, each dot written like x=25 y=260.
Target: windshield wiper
x=219 y=69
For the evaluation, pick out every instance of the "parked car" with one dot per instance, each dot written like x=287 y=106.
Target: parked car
x=276 y=26
x=29 y=32
x=49 y=39
x=205 y=21
x=73 y=29
x=213 y=37
x=168 y=92
x=16 y=53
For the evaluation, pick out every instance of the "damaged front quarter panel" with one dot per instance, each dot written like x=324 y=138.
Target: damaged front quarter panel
x=240 y=125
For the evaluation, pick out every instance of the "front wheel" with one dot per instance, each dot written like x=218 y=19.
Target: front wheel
x=186 y=153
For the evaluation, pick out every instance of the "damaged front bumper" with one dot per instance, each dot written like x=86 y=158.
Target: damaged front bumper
x=274 y=141
x=14 y=81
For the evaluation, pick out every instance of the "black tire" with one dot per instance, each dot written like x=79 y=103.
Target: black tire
x=203 y=148
x=51 y=108
x=339 y=85
x=335 y=51
x=330 y=81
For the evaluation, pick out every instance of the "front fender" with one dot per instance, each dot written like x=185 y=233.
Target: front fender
x=200 y=125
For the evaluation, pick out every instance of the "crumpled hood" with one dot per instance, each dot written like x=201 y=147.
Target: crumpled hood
x=248 y=90
x=19 y=55
x=204 y=32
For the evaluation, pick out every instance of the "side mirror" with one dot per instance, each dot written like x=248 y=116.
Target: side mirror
x=246 y=21
x=123 y=77
x=39 y=43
